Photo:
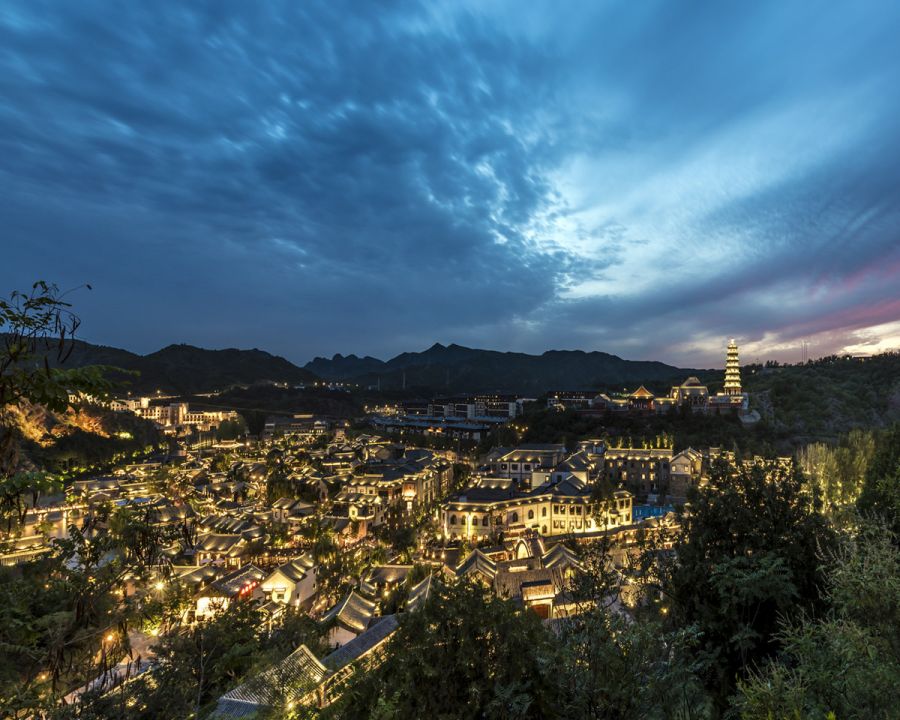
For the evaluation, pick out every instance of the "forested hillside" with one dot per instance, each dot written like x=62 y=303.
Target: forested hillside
x=185 y=369
x=827 y=397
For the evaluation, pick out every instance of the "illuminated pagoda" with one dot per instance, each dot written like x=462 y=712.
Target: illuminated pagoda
x=732 y=370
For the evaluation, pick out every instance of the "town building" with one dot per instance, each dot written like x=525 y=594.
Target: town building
x=530 y=575
x=643 y=471
x=239 y=584
x=495 y=507
x=527 y=465
x=410 y=483
x=294 y=583
x=172 y=415
x=349 y=618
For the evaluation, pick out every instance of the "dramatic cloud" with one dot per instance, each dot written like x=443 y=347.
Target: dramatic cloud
x=642 y=178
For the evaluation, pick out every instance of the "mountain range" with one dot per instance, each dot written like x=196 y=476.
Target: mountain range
x=185 y=369
x=456 y=368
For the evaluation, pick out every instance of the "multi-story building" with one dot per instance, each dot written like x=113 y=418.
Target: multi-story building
x=173 y=414
x=653 y=471
x=475 y=407
x=557 y=507
x=293 y=583
x=410 y=483
x=304 y=427
x=642 y=470
x=528 y=465
x=685 y=471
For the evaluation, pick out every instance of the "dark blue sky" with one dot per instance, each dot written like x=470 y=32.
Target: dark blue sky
x=645 y=178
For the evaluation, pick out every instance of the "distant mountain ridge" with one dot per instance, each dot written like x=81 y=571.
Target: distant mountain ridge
x=456 y=368
x=185 y=369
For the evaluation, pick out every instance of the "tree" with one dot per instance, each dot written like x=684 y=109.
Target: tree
x=881 y=490
x=745 y=557
x=837 y=473
x=231 y=429
x=37 y=329
x=62 y=621
x=613 y=667
x=847 y=663
x=465 y=654
x=140 y=539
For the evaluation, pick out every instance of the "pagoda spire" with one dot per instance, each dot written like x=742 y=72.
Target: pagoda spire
x=732 y=370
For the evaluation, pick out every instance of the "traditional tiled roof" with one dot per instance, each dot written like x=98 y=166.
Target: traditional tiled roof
x=163 y=511
x=419 y=594
x=531 y=453
x=642 y=393
x=380 y=629
x=385 y=574
x=481 y=493
x=296 y=569
x=534 y=545
x=235 y=582
x=510 y=584
x=201 y=575
x=560 y=556
x=575 y=463
x=477 y=562
x=295 y=676
x=353 y=613
x=219 y=542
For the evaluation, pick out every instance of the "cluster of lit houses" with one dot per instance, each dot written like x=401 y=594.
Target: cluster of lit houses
x=515 y=526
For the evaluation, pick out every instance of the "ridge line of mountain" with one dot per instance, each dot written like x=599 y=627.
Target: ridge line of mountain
x=184 y=369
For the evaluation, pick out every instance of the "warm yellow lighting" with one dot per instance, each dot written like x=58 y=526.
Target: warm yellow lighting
x=110 y=637
x=160 y=585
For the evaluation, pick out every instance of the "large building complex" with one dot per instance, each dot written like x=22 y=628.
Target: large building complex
x=172 y=415
x=692 y=394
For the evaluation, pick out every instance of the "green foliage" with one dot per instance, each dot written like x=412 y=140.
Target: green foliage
x=837 y=472
x=55 y=615
x=34 y=326
x=612 y=668
x=231 y=429
x=194 y=666
x=746 y=556
x=847 y=663
x=824 y=398
x=465 y=654
x=679 y=430
x=17 y=489
x=881 y=490
x=221 y=462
